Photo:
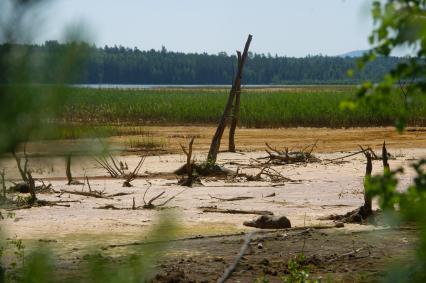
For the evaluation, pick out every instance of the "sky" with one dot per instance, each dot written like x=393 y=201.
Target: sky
x=285 y=27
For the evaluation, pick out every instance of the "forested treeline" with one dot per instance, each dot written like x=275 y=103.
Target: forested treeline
x=120 y=65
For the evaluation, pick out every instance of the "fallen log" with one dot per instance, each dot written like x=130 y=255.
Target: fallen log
x=214 y=209
x=86 y=194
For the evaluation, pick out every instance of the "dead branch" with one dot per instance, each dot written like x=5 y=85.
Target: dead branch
x=275 y=150
x=119 y=195
x=344 y=255
x=149 y=205
x=273 y=175
x=104 y=164
x=346 y=156
x=237 y=260
x=231 y=199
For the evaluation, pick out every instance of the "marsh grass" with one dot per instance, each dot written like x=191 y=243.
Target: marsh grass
x=114 y=112
x=145 y=142
x=259 y=108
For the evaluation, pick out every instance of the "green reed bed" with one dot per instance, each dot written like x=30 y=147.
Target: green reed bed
x=259 y=108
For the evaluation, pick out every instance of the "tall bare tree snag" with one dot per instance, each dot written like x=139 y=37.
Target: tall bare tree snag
x=68 y=169
x=215 y=145
x=367 y=199
x=385 y=158
x=235 y=113
x=70 y=180
x=22 y=170
x=31 y=183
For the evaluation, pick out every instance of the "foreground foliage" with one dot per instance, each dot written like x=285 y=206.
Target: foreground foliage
x=400 y=23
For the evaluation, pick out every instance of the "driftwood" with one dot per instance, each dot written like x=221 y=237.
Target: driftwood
x=272 y=174
x=215 y=144
x=287 y=156
x=215 y=209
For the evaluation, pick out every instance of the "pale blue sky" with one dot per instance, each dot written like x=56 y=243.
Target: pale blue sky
x=285 y=27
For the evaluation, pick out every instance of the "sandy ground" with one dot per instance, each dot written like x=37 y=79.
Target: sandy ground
x=320 y=189
x=169 y=139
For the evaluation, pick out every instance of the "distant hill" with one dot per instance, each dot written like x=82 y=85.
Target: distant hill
x=354 y=54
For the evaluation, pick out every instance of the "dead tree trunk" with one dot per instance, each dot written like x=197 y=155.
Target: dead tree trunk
x=189 y=166
x=367 y=199
x=386 y=167
x=235 y=113
x=31 y=186
x=215 y=145
x=68 y=169
x=3 y=184
x=22 y=171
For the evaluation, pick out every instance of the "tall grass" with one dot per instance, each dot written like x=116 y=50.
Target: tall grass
x=315 y=107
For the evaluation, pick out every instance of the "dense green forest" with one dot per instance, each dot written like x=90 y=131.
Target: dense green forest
x=120 y=65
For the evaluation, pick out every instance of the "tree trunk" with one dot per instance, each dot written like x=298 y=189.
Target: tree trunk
x=385 y=158
x=68 y=169
x=215 y=145
x=235 y=113
x=31 y=186
x=22 y=171
x=367 y=199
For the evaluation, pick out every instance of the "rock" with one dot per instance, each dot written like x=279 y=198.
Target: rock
x=269 y=222
x=22 y=188
x=339 y=225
